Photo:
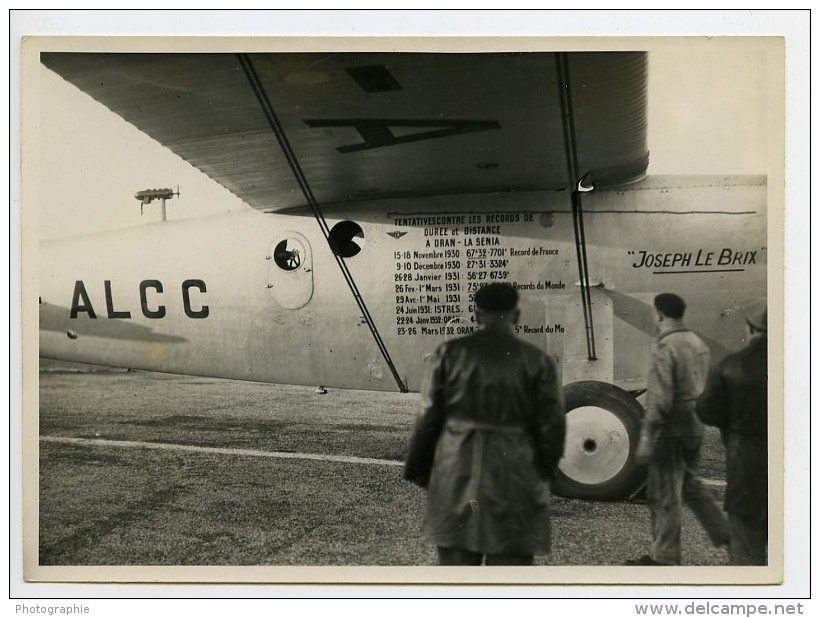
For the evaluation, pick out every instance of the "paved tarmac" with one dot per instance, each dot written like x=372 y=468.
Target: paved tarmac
x=144 y=469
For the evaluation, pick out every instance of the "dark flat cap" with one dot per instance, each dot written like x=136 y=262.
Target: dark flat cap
x=497 y=297
x=755 y=313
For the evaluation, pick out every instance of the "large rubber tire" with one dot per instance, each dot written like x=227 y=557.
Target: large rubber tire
x=603 y=425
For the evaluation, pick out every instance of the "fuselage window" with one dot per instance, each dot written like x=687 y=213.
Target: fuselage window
x=288 y=254
x=347 y=238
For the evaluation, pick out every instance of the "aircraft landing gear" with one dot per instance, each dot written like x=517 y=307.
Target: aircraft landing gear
x=603 y=424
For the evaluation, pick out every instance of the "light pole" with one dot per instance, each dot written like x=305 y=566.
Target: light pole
x=146 y=196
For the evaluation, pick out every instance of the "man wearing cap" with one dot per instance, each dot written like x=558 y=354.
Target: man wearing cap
x=488 y=438
x=735 y=401
x=671 y=436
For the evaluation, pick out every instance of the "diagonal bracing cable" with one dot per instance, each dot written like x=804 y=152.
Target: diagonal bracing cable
x=571 y=152
x=270 y=114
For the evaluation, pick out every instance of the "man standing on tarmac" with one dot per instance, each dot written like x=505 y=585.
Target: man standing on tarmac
x=671 y=436
x=488 y=439
x=736 y=401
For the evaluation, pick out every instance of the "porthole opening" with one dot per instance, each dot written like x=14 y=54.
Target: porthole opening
x=288 y=254
x=347 y=238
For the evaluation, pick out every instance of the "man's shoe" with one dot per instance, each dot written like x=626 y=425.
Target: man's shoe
x=644 y=561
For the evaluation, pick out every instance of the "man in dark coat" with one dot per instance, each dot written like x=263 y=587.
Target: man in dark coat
x=488 y=439
x=735 y=400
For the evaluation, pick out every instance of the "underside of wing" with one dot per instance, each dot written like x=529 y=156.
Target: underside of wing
x=360 y=126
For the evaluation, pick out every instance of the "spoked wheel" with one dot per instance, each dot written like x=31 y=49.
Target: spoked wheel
x=603 y=424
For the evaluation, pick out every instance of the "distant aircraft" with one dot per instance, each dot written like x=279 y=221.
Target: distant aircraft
x=388 y=188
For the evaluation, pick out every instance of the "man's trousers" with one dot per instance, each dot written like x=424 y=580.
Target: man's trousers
x=673 y=481
x=748 y=541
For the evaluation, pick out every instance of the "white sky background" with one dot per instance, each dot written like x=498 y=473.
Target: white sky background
x=110 y=160
x=707 y=111
x=707 y=115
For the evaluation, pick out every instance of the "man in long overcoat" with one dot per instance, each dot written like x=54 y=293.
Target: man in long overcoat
x=488 y=439
x=736 y=401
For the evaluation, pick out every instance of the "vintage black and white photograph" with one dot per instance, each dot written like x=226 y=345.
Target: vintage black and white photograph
x=346 y=310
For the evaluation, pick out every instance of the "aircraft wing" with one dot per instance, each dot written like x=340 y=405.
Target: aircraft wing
x=377 y=125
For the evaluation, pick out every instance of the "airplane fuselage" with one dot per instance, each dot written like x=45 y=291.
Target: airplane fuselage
x=260 y=297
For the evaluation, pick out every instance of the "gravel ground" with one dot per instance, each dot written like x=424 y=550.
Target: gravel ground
x=109 y=505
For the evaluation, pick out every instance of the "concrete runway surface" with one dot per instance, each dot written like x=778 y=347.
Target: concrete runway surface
x=153 y=469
